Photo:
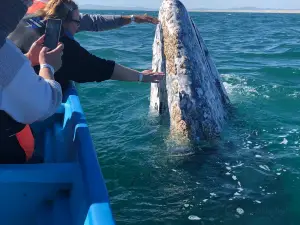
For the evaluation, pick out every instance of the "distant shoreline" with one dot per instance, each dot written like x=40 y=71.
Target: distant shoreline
x=280 y=11
x=248 y=11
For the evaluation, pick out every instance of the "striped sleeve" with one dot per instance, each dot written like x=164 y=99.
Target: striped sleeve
x=24 y=95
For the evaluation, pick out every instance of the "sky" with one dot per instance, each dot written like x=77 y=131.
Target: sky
x=213 y=4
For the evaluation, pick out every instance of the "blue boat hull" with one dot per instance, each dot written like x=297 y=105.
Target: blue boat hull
x=68 y=188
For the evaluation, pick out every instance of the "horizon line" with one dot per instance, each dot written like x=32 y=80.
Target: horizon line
x=219 y=9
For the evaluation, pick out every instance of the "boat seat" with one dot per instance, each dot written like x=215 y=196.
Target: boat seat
x=24 y=189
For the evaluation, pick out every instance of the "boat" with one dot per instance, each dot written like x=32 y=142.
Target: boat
x=68 y=187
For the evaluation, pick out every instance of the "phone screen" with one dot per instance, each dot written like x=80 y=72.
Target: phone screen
x=52 y=33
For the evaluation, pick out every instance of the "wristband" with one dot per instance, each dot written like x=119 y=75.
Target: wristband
x=49 y=67
x=141 y=76
x=132 y=18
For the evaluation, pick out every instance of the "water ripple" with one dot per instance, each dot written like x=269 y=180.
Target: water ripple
x=254 y=169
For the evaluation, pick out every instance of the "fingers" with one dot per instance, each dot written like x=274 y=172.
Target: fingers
x=44 y=50
x=150 y=72
x=147 y=72
x=155 y=21
x=59 y=48
x=146 y=19
x=154 y=77
x=40 y=41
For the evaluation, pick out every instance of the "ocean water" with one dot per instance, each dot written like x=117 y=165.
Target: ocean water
x=253 y=177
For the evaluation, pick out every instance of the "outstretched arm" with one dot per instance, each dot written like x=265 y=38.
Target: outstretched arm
x=96 y=22
x=81 y=66
x=123 y=73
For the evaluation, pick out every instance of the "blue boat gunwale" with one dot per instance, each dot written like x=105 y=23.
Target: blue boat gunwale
x=98 y=199
x=70 y=160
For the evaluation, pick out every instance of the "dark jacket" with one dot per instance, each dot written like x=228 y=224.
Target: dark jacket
x=77 y=63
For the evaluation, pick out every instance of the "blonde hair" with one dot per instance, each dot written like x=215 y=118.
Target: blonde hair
x=58 y=9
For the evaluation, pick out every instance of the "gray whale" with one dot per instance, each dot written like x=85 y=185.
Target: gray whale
x=192 y=95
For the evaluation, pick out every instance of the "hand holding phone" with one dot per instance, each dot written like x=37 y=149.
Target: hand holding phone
x=52 y=57
x=52 y=33
x=34 y=51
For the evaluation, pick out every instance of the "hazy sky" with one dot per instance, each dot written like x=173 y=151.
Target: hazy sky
x=282 y=4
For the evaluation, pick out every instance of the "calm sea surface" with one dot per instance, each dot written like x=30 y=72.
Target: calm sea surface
x=253 y=177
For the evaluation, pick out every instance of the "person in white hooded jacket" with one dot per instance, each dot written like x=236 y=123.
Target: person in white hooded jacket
x=25 y=97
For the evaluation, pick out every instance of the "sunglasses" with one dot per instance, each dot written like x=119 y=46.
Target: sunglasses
x=76 y=21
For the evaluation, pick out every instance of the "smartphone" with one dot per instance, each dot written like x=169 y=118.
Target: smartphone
x=52 y=33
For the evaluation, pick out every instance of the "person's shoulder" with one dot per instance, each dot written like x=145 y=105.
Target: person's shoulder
x=66 y=40
x=70 y=45
x=34 y=21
